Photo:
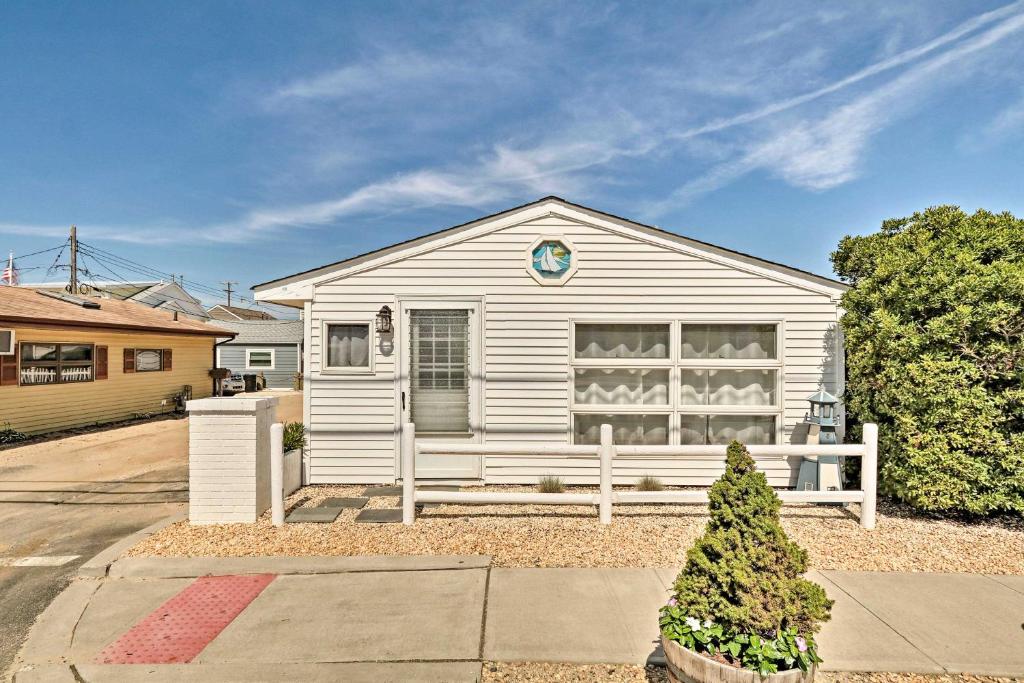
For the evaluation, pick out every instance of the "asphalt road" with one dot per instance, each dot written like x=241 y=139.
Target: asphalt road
x=79 y=525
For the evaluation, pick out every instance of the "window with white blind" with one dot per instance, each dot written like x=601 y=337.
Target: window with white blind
x=439 y=370
x=710 y=383
x=347 y=348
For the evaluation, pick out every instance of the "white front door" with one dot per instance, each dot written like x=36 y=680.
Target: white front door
x=440 y=380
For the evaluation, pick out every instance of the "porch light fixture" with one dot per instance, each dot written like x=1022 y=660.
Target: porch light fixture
x=384 y=320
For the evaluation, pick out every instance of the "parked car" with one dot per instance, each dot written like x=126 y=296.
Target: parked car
x=232 y=384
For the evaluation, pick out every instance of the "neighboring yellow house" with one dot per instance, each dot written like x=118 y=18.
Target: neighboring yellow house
x=71 y=361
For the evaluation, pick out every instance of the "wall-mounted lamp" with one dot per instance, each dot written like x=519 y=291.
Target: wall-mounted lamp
x=384 y=320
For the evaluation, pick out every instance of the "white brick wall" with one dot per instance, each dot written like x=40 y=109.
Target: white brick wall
x=229 y=459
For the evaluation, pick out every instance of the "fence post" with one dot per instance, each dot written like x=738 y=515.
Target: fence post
x=408 y=473
x=605 y=453
x=869 y=476
x=277 y=474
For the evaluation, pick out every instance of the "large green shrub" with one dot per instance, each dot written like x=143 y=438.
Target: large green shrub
x=934 y=330
x=741 y=593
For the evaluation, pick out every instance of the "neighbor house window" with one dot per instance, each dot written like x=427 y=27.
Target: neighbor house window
x=621 y=376
x=723 y=382
x=47 y=363
x=259 y=359
x=149 y=360
x=729 y=383
x=6 y=342
x=347 y=347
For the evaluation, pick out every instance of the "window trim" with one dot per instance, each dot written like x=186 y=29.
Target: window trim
x=676 y=363
x=14 y=342
x=273 y=358
x=57 y=363
x=140 y=350
x=371 y=342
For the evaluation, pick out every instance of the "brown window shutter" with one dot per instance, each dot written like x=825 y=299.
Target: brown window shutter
x=129 y=360
x=167 y=359
x=101 y=362
x=9 y=368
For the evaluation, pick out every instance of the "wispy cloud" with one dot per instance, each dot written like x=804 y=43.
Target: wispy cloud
x=822 y=154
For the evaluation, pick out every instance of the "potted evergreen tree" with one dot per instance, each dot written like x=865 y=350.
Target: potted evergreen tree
x=740 y=610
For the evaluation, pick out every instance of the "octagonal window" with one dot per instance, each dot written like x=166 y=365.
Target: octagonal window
x=552 y=259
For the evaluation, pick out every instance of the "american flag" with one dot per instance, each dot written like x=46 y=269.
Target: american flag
x=10 y=276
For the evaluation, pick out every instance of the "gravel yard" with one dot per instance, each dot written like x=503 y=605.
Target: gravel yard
x=639 y=536
x=542 y=672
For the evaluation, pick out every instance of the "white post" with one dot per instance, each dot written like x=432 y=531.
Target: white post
x=277 y=474
x=605 y=453
x=869 y=476
x=408 y=473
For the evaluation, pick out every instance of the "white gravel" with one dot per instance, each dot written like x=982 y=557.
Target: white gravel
x=639 y=536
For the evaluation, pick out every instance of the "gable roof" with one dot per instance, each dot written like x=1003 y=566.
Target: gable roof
x=225 y=312
x=263 y=331
x=708 y=249
x=28 y=306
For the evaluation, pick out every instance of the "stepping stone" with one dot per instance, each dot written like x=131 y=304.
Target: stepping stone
x=374 y=491
x=344 y=503
x=380 y=516
x=323 y=515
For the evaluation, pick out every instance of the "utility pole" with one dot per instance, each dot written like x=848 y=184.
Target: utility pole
x=74 y=260
x=227 y=288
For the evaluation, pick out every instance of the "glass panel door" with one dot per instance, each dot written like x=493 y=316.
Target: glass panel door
x=439 y=370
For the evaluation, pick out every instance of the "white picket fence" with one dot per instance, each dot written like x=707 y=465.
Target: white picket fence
x=608 y=454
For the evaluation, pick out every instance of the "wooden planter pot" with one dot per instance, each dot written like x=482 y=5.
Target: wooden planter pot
x=687 y=666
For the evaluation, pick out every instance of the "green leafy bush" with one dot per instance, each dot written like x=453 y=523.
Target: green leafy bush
x=649 y=483
x=8 y=435
x=294 y=436
x=934 y=330
x=550 y=485
x=740 y=594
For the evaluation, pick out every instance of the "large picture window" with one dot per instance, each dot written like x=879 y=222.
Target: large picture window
x=46 y=363
x=665 y=382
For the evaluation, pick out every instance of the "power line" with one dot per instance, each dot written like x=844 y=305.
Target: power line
x=149 y=271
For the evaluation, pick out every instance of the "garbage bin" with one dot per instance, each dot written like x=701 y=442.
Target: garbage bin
x=250 y=382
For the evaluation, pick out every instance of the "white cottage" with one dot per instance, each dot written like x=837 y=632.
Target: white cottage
x=543 y=322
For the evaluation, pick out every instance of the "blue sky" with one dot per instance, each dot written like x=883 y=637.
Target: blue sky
x=247 y=141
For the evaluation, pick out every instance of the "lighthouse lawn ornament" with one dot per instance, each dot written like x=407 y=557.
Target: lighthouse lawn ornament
x=821 y=472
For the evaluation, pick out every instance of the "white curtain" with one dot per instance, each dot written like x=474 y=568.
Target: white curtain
x=348 y=346
x=621 y=340
x=721 y=429
x=729 y=387
x=621 y=386
x=627 y=430
x=755 y=342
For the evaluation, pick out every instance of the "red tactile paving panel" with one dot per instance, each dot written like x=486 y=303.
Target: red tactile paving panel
x=181 y=627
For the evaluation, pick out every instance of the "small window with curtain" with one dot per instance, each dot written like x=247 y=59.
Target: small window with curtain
x=347 y=347
x=259 y=359
x=149 y=360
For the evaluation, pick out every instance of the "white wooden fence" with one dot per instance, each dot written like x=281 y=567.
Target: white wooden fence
x=608 y=453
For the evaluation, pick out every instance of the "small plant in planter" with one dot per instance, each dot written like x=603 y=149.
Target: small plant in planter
x=550 y=484
x=740 y=609
x=294 y=436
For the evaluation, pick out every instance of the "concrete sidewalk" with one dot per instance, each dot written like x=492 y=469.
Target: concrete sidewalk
x=437 y=618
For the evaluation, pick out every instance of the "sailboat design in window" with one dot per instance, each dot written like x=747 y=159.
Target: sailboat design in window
x=551 y=259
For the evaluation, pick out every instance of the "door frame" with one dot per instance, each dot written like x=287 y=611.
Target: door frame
x=475 y=305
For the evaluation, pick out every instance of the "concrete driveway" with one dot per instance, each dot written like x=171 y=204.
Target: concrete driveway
x=63 y=501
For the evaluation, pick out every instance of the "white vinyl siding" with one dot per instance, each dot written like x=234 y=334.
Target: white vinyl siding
x=527 y=374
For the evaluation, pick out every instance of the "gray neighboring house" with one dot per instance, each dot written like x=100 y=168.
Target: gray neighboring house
x=270 y=347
